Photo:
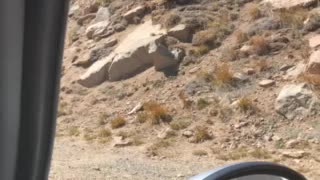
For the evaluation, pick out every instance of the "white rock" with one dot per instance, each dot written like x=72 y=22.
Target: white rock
x=266 y=83
x=294 y=154
x=73 y=10
x=181 y=32
x=97 y=29
x=187 y=133
x=279 y=4
x=313 y=66
x=297 y=101
x=134 y=12
x=137 y=108
x=103 y=14
x=314 y=41
x=118 y=141
x=240 y=77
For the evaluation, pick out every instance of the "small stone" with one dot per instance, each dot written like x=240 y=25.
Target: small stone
x=193 y=70
x=187 y=133
x=249 y=71
x=120 y=142
x=166 y=133
x=292 y=143
x=286 y=67
x=137 y=108
x=240 y=77
x=294 y=154
x=276 y=138
x=266 y=83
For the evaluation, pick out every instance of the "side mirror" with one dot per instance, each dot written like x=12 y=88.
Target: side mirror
x=251 y=171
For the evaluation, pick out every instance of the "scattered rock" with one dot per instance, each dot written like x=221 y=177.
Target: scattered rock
x=137 y=108
x=187 y=133
x=97 y=29
x=297 y=101
x=279 y=4
x=97 y=73
x=110 y=42
x=292 y=143
x=240 y=77
x=194 y=70
x=314 y=41
x=74 y=9
x=85 y=18
x=119 y=141
x=249 y=71
x=103 y=14
x=286 y=67
x=167 y=133
x=266 y=83
x=181 y=32
x=187 y=60
x=294 y=154
x=313 y=66
x=295 y=72
x=138 y=11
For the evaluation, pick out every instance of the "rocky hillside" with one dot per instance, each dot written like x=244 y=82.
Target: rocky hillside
x=229 y=80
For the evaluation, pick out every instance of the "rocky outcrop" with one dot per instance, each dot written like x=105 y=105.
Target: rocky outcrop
x=97 y=29
x=136 y=12
x=313 y=66
x=140 y=50
x=181 y=32
x=297 y=102
x=278 y=4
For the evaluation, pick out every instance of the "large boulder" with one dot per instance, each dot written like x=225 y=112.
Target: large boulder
x=313 y=66
x=181 y=32
x=103 y=14
x=97 y=29
x=140 y=50
x=297 y=101
x=279 y=4
x=97 y=73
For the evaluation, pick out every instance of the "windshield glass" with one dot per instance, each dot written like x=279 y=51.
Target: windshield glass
x=167 y=89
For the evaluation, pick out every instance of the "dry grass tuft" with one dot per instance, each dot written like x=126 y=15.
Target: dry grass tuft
x=200 y=153
x=74 y=131
x=187 y=103
x=103 y=133
x=261 y=65
x=223 y=75
x=202 y=103
x=142 y=117
x=241 y=37
x=179 y=124
x=171 y=20
x=201 y=134
x=157 y=112
x=260 y=45
x=293 y=18
x=201 y=50
x=246 y=105
x=240 y=153
x=154 y=149
x=118 y=122
x=254 y=12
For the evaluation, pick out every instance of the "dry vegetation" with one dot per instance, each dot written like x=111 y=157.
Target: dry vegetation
x=201 y=134
x=118 y=122
x=293 y=18
x=223 y=75
x=157 y=113
x=260 y=45
x=254 y=12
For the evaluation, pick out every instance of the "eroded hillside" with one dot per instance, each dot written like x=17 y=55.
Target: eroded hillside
x=219 y=80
